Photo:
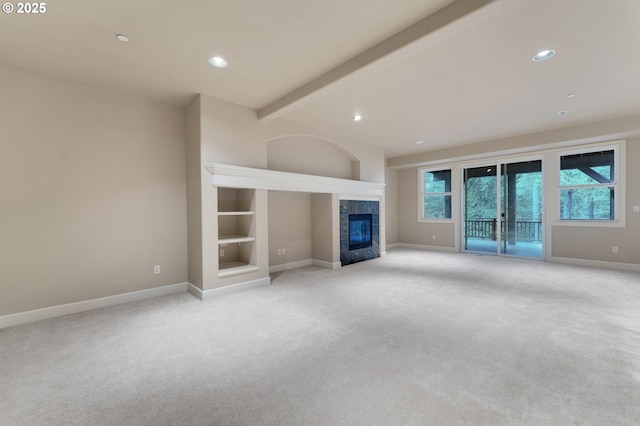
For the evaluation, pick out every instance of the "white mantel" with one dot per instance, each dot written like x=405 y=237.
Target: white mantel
x=247 y=177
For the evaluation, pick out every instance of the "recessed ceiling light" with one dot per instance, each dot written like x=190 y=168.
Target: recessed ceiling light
x=357 y=117
x=543 y=55
x=419 y=142
x=571 y=95
x=123 y=38
x=559 y=113
x=218 y=62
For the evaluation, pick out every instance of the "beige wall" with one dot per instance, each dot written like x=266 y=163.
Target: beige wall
x=391 y=206
x=194 y=192
x=625 y=127
x=307 y=155
x=231 y=134
x=596 y=243
x=325 y=219
x=93 y=193
x=586 y=243
x=370 y=160
x=289 y=227
x=411 y=231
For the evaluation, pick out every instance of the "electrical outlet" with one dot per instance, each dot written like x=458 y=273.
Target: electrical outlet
x=636 y=209
x=284 y=251
x=156 y=269
x=279 y=252
x=221 y=252
x=433 y=237
x=614 y=249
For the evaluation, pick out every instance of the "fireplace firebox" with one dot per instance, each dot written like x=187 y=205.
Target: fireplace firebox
x=360 y=231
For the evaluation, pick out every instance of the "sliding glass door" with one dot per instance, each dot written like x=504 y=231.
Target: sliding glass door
x=502 y=208
x=480 y=209
x=521 y=208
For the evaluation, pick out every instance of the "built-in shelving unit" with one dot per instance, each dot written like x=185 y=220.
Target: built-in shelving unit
x=223 y=175
x=236 y=232
x=249 y=213
x=241 y=218
x=231 y=269
x=231 y=239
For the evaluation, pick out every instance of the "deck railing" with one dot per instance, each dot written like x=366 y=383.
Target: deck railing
x=486 y=229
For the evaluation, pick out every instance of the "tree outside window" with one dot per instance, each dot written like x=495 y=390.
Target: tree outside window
x=588 y=186
x=436 y=194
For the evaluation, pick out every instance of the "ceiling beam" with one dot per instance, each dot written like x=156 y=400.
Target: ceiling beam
x=316 y=87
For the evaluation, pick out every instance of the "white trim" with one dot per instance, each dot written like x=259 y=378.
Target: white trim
x=325 y=264
x=233 y=239
x=240 y=269
x=245 y=213
x=383 y=253
x=529 y=149
x=229 y=289
x=347 y=197
x=422 y=194
x=290 y=265
x=393 y=245
x=498 y=164
x=596 y=263
x=88 y=305
x=246 y=177
x=306 y=262
x=426 y=247
x=619 y=183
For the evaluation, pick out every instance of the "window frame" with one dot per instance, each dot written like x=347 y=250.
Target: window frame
x=422 y=194
x=618 y=184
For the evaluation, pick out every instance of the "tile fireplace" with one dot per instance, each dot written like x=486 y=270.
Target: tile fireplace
x=359 y=231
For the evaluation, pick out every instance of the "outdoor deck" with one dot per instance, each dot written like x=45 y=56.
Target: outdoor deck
x=528 y=249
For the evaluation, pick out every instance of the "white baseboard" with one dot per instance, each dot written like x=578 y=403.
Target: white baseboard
x=425 y=247
x=325 y=264
x=87 y=305
x=306 y=262
x=393 y=245
x=290 y=265
x=234 y=288
x=596 y=263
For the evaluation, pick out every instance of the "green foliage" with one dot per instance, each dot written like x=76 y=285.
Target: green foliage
x=481 y=197
x=437 y=207
x=575 y=203
x=586 y=203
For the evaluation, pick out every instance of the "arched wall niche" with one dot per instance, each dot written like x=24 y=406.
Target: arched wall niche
x=311 y=155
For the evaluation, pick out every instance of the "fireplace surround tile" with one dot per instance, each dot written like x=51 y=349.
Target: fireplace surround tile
x=358 y=207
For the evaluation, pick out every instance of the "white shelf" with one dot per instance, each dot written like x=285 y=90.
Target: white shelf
x=236 y=220
x=245 y=177
x=235 y=268
x=231 y=239
x=248 y=213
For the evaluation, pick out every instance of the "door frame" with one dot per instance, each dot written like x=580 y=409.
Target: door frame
x=498 y=163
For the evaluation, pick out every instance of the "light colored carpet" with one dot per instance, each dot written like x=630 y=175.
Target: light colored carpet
x=414 y=338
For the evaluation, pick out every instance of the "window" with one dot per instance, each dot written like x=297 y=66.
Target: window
x=589 y=186
x=436 y=194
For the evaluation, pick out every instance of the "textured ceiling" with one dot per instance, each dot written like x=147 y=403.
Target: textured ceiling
x=467 y=81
